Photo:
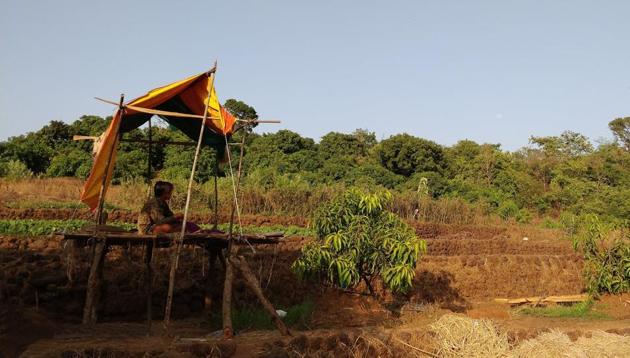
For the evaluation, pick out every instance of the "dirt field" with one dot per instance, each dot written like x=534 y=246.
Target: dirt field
x=42 y=289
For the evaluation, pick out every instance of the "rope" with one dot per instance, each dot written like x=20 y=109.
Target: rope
x=238 y=209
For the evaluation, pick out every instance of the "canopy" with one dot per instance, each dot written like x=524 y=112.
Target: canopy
x=187 y=96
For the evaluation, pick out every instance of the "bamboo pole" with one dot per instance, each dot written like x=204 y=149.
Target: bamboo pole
x=150 y=154
x=175 y=260
x=101 y=195
x=228 y=331
x=99 y=248
x=216 y=196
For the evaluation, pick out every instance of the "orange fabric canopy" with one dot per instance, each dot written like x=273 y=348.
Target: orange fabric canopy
x=187 y=96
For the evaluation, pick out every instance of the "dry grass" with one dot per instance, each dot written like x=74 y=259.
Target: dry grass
x=294 y=199
x=557 y=344
x=460 y=336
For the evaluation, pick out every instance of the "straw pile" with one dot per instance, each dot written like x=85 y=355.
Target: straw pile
x=557 y=344
x=459 y=336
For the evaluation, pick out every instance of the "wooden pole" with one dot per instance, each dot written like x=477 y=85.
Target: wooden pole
x=216 y=196
x=149 y=282
x=175 y=260
x=228 y=331
x=101 y=195
x=254 y=285
x=95 y=279
x=95 y=282
x=149 y=169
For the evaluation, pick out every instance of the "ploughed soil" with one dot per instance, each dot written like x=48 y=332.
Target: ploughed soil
x=42 y=291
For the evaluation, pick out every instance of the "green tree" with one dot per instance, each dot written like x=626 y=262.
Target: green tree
x=336 y=144
x=568 y=144
x=404 y=154
x=29 y=149
x=358 y=239
x=240 y=109
x=621 y=129
x=67 y=162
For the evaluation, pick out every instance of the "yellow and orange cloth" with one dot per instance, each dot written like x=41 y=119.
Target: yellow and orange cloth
x=186 y=96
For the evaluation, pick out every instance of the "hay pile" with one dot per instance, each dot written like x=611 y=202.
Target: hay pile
x=460 y=336
x=557 y=344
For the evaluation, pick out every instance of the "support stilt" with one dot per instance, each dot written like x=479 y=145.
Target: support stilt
x=95 y=282
x=253 y=283
x=232 y=250
x=228 y=331
x=149 y=283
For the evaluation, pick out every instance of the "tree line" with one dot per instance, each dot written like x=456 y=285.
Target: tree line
x=551 y=175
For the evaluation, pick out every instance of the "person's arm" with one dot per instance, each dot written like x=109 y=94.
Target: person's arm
x=159 y=218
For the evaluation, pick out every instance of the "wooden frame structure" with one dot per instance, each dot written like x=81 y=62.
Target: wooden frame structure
x=101 y=236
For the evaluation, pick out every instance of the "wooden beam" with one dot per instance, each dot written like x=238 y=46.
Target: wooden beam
x=254 y=285
x=95 y=282
x=148 y=283
x=543 y=299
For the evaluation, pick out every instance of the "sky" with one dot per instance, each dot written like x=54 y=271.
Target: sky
x=489 y=71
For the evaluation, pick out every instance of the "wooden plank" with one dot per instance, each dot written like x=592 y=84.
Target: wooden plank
x=543 y=299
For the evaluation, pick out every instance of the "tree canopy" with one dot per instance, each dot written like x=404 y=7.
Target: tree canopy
x=551 y=175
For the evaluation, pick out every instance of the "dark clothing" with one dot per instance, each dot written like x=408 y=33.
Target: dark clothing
x=154 y=212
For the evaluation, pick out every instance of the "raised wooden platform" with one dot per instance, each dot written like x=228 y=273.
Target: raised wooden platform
x=103 y=236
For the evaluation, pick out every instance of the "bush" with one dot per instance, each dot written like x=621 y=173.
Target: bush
x=15 y=169
x=508 y=209
x=66 y=164
x=358 y=239
x=606 y=252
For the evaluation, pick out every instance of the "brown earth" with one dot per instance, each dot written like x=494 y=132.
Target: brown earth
x=464 y=269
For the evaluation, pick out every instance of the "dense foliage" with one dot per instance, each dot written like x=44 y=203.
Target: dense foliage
x=552 y=175
x=606 y=251
x=358 y=239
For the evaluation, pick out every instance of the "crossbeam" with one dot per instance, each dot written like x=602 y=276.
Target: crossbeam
x=158 y=112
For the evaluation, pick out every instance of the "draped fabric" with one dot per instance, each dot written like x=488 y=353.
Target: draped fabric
x=187 y=96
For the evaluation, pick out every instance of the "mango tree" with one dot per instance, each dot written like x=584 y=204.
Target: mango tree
x=358 y=239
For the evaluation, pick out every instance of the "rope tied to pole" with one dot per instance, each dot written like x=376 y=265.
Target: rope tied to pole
x=236 y=204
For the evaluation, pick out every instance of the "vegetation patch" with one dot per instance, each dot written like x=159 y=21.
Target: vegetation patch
x=358 y=240
x=583 y=310
x=31 y=227
x=606 y=251
x=253 y=318
x=34 y=227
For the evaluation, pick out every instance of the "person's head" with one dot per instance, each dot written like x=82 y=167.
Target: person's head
x=163 y=190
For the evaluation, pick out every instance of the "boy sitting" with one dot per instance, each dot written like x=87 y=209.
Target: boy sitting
x=157 y=218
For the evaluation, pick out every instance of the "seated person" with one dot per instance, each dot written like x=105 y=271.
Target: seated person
x=157 y=218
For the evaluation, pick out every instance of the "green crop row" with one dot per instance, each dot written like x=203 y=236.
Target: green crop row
x=29 y=227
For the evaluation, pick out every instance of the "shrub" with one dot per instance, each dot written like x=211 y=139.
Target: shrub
x=15 y=169
x=606 y=252
x=508 y=209
x=358 y=239
x=67 y=163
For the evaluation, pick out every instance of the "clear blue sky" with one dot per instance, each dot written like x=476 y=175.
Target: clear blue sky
x=491 y=71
